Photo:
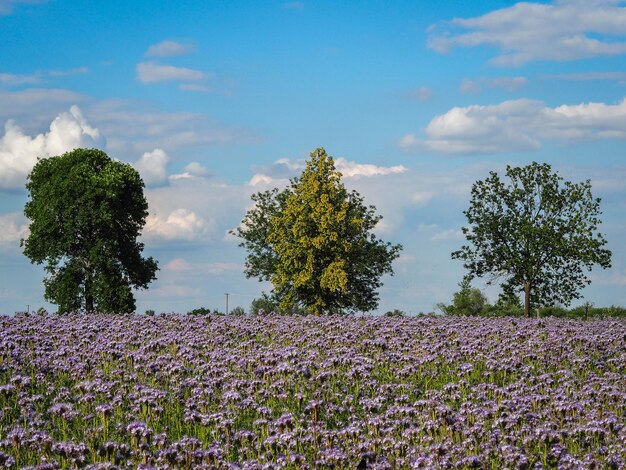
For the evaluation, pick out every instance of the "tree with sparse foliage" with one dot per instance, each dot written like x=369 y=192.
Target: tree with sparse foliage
x=265 y=303
x=86 y=212
x=313 y=241
x=468 y=301
x=537 y=233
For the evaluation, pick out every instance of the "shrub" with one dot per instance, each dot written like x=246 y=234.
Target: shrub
x=199 y=311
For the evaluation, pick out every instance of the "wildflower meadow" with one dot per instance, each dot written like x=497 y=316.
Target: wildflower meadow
x=170 y=391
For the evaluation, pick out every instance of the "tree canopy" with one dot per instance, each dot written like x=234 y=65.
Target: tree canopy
x=537 y=233
x=86 y=212
x=468 y=301
x=313 y=241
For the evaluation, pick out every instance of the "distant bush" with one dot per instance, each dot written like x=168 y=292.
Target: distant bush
x=588 y=311
x=238 y=311
x=42 y=312
x=150 y=312
x=471 y=301
x=395 y=313
x=199 y=311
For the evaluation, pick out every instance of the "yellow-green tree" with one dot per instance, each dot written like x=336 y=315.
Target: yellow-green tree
x=313 y=241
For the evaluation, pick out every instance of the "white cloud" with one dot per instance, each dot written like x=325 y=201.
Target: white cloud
x=169 y=49
x=178 y=264
x=196 y=169
x=283 y=169
x=192 y=170
x=518 y=125
x=180 y=224
x=14 y=228
x=152 y=167
x=155 y=72
x=266 y=181
x=358 y=170
x=421 y=94
x=19 y=151
x=525 y=32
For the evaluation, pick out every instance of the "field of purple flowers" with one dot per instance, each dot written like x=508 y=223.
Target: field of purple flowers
x=296 y=392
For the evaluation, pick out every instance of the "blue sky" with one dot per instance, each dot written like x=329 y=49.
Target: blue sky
x=214 y=101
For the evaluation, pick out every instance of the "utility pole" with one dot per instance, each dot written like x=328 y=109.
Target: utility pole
x=227 y=294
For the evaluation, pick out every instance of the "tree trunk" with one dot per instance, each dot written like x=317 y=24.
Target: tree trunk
x=88 y=293
x=527 y=299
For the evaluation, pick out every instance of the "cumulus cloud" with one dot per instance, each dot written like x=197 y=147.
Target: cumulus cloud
x=180 y=224
x=152 y=166
x=169 y=49
x=518 y=125
x=192 y=170
x=19 y=151
x=14 y=228
x=525 y=32
x=155 y=72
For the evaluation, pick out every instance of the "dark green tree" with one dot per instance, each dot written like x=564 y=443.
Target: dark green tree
x=86 y=212
x=537 y=233
x=313 y=241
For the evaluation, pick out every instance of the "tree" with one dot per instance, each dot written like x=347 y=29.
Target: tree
x=534 y=232
x=238 y=312
x=264 y=303
x=467 y=301
x=86 y=213
x=313 y=241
